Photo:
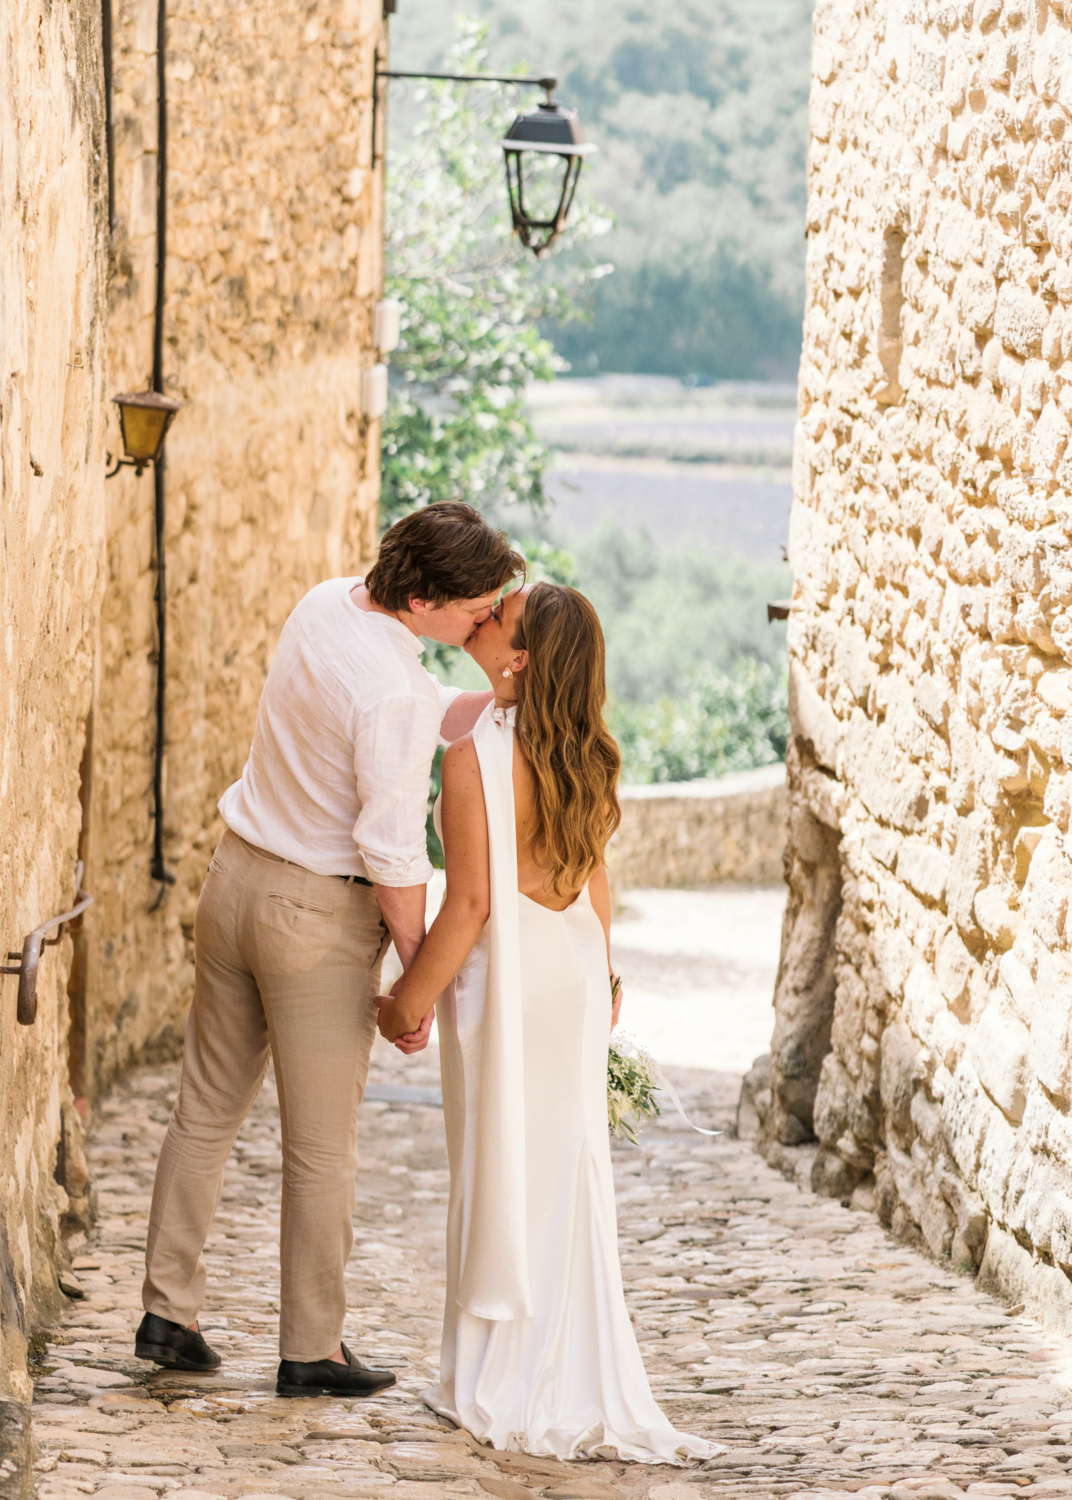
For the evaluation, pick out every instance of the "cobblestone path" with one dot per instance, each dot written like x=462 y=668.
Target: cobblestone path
x=823 y=1356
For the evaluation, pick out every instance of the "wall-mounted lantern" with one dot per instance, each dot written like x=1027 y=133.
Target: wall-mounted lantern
x=144 y=417
x=547 y=131
x=550 y=142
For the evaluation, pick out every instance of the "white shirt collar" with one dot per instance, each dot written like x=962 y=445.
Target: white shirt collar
x=395 y=628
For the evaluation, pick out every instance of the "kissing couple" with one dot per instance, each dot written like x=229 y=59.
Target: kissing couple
x=323 y=863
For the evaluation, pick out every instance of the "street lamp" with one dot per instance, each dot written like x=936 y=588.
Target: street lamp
x=540 y=205
x=144 y=417
x=547 y=132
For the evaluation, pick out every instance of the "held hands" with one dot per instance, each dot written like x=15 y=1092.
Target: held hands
x=392 y=1026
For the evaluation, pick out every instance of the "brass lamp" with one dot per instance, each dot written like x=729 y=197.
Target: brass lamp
x=144 y=417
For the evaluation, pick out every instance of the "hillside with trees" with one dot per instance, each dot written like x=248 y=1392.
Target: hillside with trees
x=700 y=114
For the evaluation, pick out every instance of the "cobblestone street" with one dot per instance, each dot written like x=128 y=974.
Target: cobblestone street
x=793 y=1331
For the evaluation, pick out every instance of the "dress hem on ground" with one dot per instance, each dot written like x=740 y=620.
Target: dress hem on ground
x=649 y=1447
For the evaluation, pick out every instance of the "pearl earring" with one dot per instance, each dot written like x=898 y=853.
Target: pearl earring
x=507 y=672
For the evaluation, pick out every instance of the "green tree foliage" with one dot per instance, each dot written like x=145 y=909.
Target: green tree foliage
x=696 y=671
x=667 y=613
x=725 y=721
x=700 y=113
x=715 y=318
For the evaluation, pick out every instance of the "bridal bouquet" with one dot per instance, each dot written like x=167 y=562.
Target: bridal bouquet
x=632 y=1079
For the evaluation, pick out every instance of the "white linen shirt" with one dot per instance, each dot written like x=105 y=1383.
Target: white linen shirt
x=348 y=722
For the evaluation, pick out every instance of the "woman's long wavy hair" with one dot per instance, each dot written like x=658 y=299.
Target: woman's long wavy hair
x=560 y=699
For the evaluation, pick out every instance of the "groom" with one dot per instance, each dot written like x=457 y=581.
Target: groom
x=322 y=862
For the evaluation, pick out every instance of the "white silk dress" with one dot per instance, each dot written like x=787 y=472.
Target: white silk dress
x=538 y=1353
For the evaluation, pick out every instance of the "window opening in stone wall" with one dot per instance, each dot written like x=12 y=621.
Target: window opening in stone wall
x=890 y=337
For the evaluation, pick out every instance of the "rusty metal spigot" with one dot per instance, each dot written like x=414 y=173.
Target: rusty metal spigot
x=30 y=956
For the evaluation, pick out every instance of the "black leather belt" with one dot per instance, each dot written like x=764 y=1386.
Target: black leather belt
x=279 y=860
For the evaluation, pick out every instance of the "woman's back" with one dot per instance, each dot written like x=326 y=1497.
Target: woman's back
x=533 y=873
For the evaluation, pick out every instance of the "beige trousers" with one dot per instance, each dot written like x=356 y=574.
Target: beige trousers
x=286 y=961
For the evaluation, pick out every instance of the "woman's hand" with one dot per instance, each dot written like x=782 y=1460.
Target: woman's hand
x=407 y=1042
x=416 y=1041
x=394 y=1027
x=616 y=1004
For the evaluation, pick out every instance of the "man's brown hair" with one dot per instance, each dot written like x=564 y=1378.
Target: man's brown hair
x=443 y=552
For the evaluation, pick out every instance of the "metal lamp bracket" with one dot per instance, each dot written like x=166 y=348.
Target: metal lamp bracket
x=138 y=465
x=548 y=83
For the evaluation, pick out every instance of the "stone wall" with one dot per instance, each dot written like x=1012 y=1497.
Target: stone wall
x=52 y=331
x=699 y=832
x=273 y=266
x=924 y=998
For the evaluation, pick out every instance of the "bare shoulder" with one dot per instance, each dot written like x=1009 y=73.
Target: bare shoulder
x=460 y=762
x=463 y=787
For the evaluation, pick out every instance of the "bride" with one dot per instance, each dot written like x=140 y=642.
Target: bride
x=538 y=1352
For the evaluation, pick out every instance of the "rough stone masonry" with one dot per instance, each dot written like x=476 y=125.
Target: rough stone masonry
x=925 y=992
x=273 y=261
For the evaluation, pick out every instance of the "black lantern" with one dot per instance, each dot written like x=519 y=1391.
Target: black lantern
x=145 y=417
x=553 y=137
x=548 y=145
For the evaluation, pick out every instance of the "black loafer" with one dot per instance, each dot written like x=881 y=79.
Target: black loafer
x=326 y=1377
x=172 y=1345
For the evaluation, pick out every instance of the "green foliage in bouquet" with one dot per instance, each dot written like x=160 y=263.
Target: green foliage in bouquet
x=631 y=1084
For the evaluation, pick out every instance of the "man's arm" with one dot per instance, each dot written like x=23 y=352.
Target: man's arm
x=392 y=755
x=463 y=713
x=465 y=909
x=403 y=908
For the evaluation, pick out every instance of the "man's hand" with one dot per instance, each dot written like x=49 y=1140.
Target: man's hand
x=390 y=1023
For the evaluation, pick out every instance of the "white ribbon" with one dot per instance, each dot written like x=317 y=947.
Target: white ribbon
x=664 y=1083
x=626 y=1046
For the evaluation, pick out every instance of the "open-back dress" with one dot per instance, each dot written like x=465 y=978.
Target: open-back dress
x=538 y=1354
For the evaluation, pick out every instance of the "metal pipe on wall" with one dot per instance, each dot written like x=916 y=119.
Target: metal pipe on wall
x=157 y=869
x=109 y=119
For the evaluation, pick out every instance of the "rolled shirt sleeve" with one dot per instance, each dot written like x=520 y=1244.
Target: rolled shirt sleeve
x=393 y=753
x=447 y=696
